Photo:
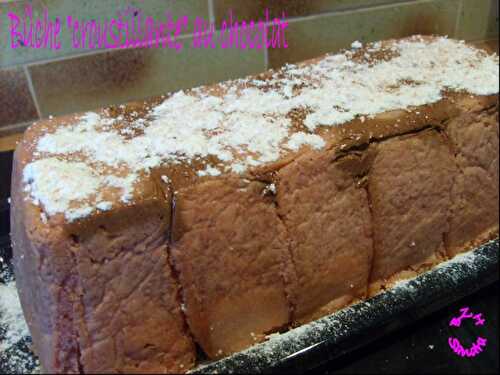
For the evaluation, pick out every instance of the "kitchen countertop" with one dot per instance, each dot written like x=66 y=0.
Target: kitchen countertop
x=8 y=142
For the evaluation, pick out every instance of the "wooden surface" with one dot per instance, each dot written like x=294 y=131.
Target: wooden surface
x=8 y=143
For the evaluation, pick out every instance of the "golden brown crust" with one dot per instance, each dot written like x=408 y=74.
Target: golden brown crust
x=43 y=306
x=409 y=187
x=231 y=252
x=325 y=209
x=474 y=212
x=99 y=294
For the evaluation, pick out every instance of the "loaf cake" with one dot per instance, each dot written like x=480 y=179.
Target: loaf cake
x=215 y=216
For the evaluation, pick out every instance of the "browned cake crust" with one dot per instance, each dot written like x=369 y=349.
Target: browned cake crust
x=224 y=260
x=230 y=227
x=409 y=188
x=474 y=211
x=332 y=250
x=99 y=295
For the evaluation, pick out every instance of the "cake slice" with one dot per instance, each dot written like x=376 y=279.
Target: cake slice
x=98 y=293
x=410 y=193
x=474 y=210
x=325 y=208
x=231 y=252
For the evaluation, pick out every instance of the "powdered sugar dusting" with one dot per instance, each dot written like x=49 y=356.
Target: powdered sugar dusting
x=11 y=316
x=56 y=184
x=297 y=140
x=469 y=258
x=72 y=188
x=209 y=171
x=15 y=343
x=246 y=124
x=357 y=45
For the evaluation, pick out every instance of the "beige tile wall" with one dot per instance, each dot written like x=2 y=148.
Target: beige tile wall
x=39 y=83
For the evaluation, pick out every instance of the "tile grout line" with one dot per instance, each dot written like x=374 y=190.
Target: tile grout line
x=32 y=91
x=266 y=58
x=357 y=9
x=459 y=18
x=86 y=53
x=9 y=130
x=211 y=11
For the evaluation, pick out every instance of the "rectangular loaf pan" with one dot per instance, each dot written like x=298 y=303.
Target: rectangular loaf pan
x=329 y=338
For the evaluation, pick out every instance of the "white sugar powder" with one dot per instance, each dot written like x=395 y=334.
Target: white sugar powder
x=357 y=45
x=11 y=316
x=71 y=188
x=298 y=140
x=56 y=184
x=209 y=171
x=104 y=206
x=246 y=125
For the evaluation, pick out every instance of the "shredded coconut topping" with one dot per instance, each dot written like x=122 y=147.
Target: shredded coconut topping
x=246 y=123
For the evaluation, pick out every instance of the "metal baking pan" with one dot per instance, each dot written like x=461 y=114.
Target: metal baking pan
x=327 y=339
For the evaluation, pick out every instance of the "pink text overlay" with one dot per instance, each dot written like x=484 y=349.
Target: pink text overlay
x=480 y=343
x=132 y=29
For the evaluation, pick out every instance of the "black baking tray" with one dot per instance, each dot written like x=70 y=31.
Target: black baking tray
x=328 y=339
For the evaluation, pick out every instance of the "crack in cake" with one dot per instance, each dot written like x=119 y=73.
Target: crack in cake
x=219 y=215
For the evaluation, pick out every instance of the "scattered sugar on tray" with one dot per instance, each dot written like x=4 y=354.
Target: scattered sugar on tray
x=11 y=316
x=19 y=360
x=468 y=258
x=403 y=284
